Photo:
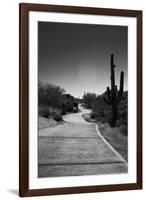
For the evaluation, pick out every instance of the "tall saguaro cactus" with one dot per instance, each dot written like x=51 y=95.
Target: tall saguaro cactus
x=114 y=95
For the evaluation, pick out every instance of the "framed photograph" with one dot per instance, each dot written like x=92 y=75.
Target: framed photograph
x=80 y=99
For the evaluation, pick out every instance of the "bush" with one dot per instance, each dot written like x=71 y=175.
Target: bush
x=123 y=129
x=69 y=107
x=89 y=99
x=57 y=117
x=118 y=123
x=75 y=110
x=101 y=111
x=44 y=111
x=93 y=115
x=49 y=94
x=54 y=98
x=63 y=111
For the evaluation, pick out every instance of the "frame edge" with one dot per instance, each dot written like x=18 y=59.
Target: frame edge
x=24 y=190
x=23 y=101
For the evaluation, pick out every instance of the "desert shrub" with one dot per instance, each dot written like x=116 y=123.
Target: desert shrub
x=118 y=123
x=94 y=115
x=105 y=120
x=63 y=111
x=50 y=95
x=75 y=105
x=123 y=129
x=54 y=98
x=89 y=99
x=121 y=121
x=57 y=117
x=101 y=111
x=44 y=111
x=75 y=110
x=69 y=107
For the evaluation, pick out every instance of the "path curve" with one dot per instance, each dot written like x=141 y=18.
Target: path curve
x=76 y=148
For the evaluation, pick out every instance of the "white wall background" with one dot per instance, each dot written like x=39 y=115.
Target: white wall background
x=9 y=119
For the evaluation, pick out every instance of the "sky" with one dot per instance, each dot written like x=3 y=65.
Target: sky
x=77 y=56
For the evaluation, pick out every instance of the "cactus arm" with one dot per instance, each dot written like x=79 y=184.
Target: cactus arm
x=112 y=72
x=109 y=93
x=113 y=96
x=120 y=93
x=108 y=100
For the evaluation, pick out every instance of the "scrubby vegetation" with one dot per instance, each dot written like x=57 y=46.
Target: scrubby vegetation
x=115 y=137
x=110 y=111
x=53 y=102
x=102 y=111
x=101 y=114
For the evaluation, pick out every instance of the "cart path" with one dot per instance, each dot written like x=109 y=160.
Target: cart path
x=76 y=148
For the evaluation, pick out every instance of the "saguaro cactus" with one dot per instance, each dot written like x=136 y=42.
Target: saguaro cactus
x=113 y=95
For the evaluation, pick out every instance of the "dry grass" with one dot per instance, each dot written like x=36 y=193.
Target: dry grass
x=116 y=138
x=46 y=123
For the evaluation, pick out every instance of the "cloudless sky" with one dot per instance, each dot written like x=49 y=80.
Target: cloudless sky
x=77 y=56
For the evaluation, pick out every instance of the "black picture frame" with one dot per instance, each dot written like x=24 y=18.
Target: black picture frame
x=24 y=9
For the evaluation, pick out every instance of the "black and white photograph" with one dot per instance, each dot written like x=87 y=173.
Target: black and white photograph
x=82 y=99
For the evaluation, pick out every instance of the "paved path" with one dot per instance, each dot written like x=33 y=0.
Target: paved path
x=76 y=148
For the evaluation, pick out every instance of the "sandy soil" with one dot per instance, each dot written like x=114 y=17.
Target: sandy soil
x=46 y=123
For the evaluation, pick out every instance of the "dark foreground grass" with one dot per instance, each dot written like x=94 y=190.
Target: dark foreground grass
x=116 y=138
